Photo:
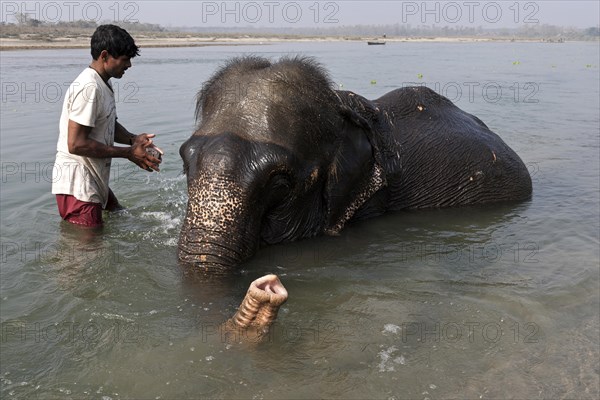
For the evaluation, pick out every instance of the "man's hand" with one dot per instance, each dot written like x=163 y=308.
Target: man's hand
x=138 y=154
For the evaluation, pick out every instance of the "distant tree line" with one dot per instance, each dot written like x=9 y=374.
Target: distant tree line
x=26 y=24
x=532 y=31
x=24 y=21
x=593 y=31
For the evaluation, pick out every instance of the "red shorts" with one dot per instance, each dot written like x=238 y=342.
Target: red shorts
x=79 y=212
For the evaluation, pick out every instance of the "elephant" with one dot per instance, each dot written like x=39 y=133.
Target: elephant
x=278 y=154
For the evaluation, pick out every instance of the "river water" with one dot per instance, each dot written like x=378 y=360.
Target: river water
x=477 y=302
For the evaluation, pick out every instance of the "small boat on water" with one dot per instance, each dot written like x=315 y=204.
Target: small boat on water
x=375 y=42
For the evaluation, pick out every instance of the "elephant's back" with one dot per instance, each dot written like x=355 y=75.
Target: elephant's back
x=411 y=100
x=447 y=156
x=420 y=102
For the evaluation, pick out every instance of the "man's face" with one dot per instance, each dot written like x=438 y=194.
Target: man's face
x=115 y=67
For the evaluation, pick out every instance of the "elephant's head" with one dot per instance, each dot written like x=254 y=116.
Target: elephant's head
x=277 y=156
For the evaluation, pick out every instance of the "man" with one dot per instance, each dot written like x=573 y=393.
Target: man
x=88 y=130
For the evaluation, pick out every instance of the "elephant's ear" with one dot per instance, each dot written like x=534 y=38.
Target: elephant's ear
x=355 y=172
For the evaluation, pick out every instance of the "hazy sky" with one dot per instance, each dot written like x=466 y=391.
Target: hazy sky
x=310 y=13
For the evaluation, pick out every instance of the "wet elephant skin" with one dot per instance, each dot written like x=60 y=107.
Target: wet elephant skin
x=279 y=155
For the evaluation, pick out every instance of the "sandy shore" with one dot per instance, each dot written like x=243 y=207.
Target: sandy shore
x=198 y=41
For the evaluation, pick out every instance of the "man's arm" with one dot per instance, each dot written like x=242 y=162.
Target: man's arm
x=122 y=135
x=81 y=144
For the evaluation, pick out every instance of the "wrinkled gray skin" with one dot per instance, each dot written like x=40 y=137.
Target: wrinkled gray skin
x=278 y=155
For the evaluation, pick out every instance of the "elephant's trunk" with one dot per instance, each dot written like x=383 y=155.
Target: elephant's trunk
x=218 y=232
x=257 y=312
x=261 y=304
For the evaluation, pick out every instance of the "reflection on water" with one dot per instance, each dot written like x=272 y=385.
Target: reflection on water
x=475 y=302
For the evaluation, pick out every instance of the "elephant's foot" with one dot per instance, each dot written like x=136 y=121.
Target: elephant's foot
x=259 y=308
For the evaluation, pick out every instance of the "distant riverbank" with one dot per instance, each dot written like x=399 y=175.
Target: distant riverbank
x=37 y=42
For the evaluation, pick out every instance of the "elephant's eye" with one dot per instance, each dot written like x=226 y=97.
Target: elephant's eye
x=281 y=181
x=186 y=151
x=279 y=187
x=189 y=154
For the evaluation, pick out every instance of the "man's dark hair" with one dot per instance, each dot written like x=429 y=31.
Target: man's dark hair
x=115 y=40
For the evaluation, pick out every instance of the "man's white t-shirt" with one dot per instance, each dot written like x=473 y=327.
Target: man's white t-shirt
x=91 y=102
